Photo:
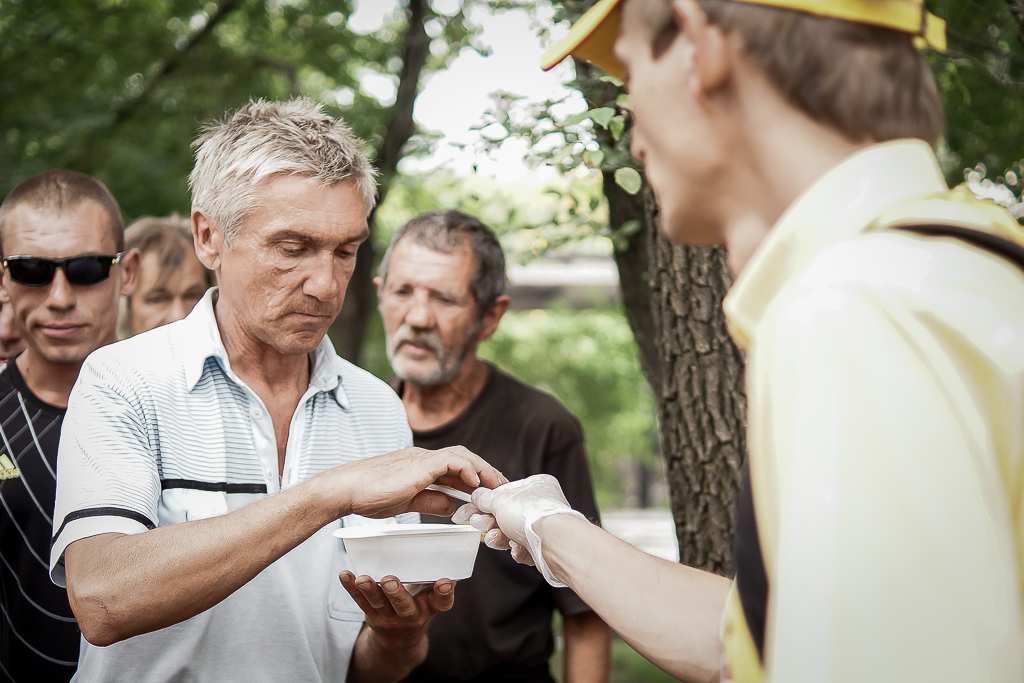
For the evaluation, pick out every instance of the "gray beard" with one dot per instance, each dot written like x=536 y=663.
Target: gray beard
x=450 y=359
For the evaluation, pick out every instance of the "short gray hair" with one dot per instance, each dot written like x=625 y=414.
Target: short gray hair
x=448 y=230
x=266 y=139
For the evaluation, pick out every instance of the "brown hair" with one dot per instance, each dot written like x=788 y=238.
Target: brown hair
x=170 y=237
x=867 y=82
x=60 y=190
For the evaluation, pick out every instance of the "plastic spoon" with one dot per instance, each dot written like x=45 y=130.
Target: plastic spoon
x=449 y=491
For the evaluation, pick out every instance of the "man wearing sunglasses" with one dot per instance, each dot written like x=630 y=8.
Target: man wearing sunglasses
x=62 y=238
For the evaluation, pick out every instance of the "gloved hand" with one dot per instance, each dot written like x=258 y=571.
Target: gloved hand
x=509 y=512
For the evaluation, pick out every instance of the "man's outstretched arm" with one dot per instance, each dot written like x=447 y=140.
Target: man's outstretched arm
x=668 y=612
x=123 y=585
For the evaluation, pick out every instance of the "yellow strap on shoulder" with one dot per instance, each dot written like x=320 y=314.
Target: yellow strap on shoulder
x=593 y=35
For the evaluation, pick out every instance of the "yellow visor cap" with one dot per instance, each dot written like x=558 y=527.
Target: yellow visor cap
x=592 y=38
x=593 y=35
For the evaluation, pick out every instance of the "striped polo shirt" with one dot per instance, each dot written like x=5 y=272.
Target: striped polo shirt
x=159 y=430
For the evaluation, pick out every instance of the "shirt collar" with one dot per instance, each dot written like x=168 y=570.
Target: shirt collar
x=204 y=341
x=843 y=203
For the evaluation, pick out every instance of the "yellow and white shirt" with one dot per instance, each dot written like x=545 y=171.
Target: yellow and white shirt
x=885 y=382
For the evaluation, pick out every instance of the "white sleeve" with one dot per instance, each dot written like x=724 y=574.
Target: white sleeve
x=892 y=555
x=107 y=476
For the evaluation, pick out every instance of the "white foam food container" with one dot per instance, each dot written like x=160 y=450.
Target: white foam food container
x=414 y=553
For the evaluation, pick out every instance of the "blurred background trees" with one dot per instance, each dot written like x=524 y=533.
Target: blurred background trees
x=119 y=88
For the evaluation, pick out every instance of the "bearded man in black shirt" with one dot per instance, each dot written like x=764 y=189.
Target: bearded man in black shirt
x=440 y=291
x=62 y=238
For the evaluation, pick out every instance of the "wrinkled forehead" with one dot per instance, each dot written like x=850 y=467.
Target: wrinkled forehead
x=414 y=261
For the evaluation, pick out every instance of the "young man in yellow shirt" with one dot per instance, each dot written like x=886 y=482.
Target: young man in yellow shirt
x=880 y=536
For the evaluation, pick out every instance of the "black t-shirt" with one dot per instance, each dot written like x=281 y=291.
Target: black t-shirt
x=39 y=637
x=500 y=626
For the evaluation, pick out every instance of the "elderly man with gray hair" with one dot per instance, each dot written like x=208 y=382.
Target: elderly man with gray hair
x=204 y=464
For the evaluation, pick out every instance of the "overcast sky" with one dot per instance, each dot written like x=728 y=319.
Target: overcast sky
x=456 y=99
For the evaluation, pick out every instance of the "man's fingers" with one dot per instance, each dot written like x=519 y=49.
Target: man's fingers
x=471 y=468
x=520 y=554
x=433 y=503
x=464 y=513
x=348 y=582
x=466 y=465
x=483 y=499
x=442 y=597
x=483 y=522
x=374 y=595
x=399 y=598
x=497 y=540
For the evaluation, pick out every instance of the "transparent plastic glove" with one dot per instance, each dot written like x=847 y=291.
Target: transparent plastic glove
x=509 y=512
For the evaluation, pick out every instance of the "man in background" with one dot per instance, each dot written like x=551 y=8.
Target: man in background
x=171 y=279
x=440 y=291
x=65 y=268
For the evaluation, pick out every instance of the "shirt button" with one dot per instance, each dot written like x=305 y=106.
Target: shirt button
x=269 y=472
x=256 y=412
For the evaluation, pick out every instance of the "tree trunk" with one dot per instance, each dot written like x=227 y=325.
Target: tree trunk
x=702 y=402
x=348 y=329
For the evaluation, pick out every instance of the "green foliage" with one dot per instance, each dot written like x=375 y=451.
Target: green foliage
x=588 y=360
x=118 y=88
x=530 y=219
x=981 y=78
x=628 y=179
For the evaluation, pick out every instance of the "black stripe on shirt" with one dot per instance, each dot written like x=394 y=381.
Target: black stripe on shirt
x=983 y=240
x=222 y=486
x=101 y=512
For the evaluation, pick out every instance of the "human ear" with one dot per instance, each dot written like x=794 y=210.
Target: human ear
x=492 y=316
x=207 y=238
x=711 y=56
x=130 y=264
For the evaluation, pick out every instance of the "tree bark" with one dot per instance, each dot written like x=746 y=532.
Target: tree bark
x=348 y=329
x=702 y=402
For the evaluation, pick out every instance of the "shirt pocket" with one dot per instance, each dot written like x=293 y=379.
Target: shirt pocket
x=340 y=604
x=189 y=505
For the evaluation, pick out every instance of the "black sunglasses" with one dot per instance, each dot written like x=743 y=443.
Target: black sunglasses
x=35 y=271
